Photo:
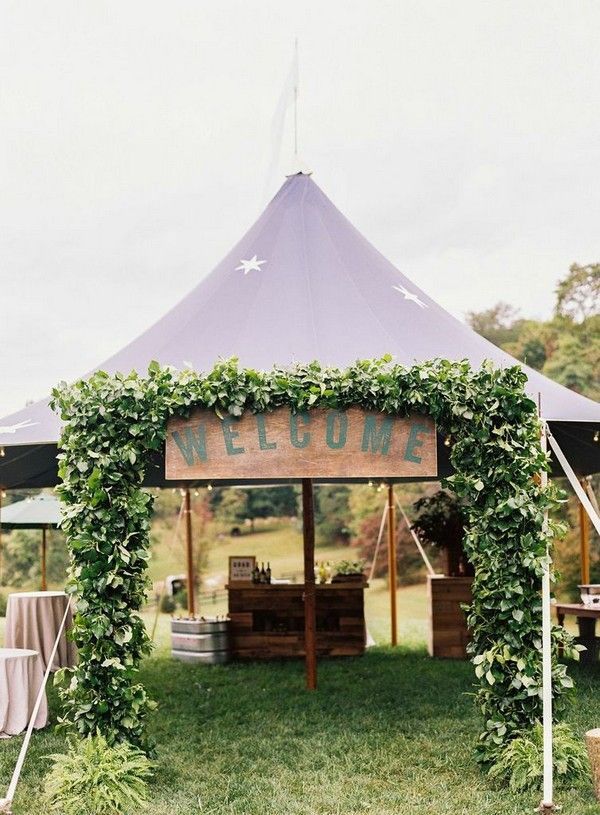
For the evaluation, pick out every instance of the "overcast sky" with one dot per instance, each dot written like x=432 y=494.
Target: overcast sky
x=462 y=138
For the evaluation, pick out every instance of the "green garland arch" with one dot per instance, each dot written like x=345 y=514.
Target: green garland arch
x=113 y=425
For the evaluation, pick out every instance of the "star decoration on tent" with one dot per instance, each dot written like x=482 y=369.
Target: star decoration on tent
x=252 y=265
x=12 y=428
x=414 y=298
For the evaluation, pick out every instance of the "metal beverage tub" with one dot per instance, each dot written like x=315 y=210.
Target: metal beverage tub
x=200 y=641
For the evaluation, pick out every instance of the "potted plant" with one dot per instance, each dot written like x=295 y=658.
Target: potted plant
x=349 y=571
x=440 y=522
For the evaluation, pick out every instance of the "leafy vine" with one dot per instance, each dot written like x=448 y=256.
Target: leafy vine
x=114 y=433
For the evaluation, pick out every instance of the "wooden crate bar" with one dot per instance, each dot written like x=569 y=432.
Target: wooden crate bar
x=267 y=622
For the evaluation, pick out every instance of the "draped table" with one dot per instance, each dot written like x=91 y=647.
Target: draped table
x=33 y=619
x=21 y=676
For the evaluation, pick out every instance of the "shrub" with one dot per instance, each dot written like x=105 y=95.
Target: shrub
x=93 y=778
x=3 y=603
x=180 y=598
x=167 y=604
x=521 y=761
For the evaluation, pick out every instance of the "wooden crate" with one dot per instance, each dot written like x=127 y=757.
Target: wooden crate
x=267 y=622
x=448 y=632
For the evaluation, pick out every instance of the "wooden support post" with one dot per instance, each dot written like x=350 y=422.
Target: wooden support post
x=44 y=582
x=1 y=550
x=392 y=563
x=584 y=532
x=310 y=616
x=189 y=550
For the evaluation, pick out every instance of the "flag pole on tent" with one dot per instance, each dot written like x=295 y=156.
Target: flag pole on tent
x=296 y=83
x=547 y=803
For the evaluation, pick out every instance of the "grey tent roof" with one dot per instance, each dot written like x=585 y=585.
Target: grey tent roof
x=31 y=513
x=302 y=284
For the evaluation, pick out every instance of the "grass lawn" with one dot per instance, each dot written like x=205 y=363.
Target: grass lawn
x=391 y=732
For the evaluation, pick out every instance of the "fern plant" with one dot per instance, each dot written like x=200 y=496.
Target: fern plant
x=521 y=761
x=93 y=778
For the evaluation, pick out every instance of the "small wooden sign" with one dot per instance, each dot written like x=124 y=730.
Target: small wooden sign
x=240 y=568
x=320 y=443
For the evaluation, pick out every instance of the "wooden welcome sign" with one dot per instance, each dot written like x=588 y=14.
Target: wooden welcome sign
x=320 y=443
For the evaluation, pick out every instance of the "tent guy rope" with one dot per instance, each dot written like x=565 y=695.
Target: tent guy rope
x=6 y=803
x=579 y=491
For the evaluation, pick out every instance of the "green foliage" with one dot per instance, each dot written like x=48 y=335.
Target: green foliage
x=113 y=424
x=440 y=521
x=270 y=502
x=181 y=598
x=229 y=506
x=345 y=567
x=93 y=778
x=3 y=604
x=233 y=505
x=578 y=295
x=367 y=502
x=167 y=604
x=498 y=324
x=521 y=761
x=22 y=558
x=566 y=348
x=331 y=514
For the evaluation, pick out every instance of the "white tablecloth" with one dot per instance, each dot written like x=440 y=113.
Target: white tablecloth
x=33 y=619
x=21 y=677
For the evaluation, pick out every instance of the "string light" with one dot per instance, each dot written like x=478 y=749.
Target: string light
x=371 y=483
x=447 y=441
x=597 y=436
x=3 y=493
x=209 y=487
x=196 y=493
x=2 y=452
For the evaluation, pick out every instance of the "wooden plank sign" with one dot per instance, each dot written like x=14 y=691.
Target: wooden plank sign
x=320 y=443
x=241 y=568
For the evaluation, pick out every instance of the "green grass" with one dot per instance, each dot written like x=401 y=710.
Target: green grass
x=391 y=732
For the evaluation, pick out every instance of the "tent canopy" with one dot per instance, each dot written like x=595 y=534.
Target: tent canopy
x=302 y=284
x=32 y=513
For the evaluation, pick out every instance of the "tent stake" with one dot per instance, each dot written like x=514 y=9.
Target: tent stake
x=189 y=553
x=310 y=644
x=391 y=511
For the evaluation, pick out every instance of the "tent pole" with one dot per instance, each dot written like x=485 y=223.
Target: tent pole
x=547 y=804
x=43 y=569
x=310 y=623
x=584 y=532
x=1 y=549
x=189 y=553
x=391 y=510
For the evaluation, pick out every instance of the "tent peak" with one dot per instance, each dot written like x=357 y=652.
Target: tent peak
x=298 y=167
